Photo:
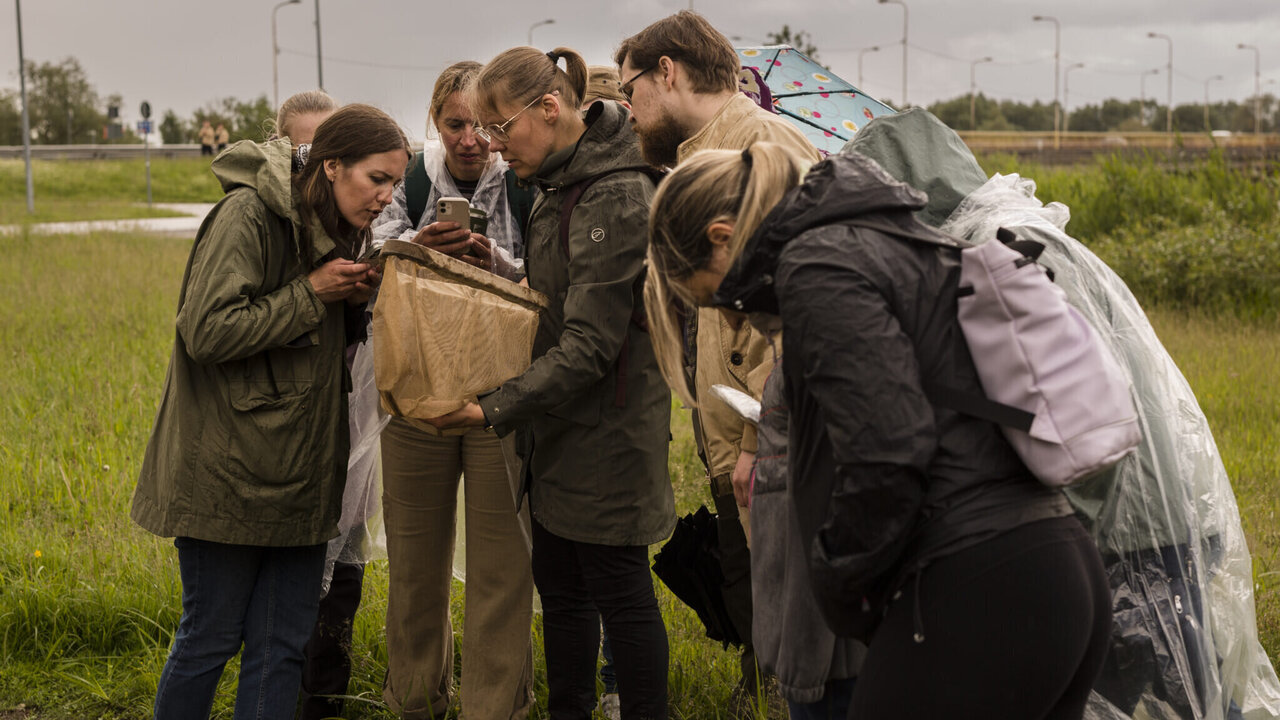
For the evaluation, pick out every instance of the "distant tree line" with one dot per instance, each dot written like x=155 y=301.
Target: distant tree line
x=65 y=108
x=1111 y=115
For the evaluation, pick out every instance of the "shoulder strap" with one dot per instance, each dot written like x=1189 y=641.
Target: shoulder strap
x=417 y=187
x=574 y=192
x=520 y=197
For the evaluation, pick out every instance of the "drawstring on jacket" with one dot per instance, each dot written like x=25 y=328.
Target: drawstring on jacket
x=918 y=635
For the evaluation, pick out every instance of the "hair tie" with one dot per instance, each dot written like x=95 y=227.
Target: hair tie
x=746 y=176
x=300 y=157
x=554 y=56
x=746 y=156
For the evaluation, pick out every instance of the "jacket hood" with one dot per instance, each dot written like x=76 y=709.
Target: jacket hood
x=848 y=188
x=265 y=167
x=608 y=144
x=918 y=149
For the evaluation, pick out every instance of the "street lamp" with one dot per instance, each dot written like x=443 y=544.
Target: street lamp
x=1207 y=127
x=1257 y=86
x=548 y=21
x=1066 y=94
x=864 y=51
x=973 y=89
x=26 y=121
x=275 y=52
x=1168 y=118
x=1142 y=94
x=319 y=57
x=1057 y=46
x=904 y=46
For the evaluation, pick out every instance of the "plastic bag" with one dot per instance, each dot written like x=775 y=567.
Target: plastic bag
x=1184 y=634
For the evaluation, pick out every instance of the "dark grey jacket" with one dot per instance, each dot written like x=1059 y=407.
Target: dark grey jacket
x=597 y=472
x=882 y=480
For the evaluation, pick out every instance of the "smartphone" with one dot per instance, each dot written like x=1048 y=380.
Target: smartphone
x=454 y=209
x=372 y=256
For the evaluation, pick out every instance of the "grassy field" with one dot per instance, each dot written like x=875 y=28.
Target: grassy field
x=88 y=602
x=101 y=189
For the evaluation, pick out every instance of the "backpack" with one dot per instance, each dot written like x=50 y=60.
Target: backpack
x=1060 y=397
x=417 y=187
x=573 y=193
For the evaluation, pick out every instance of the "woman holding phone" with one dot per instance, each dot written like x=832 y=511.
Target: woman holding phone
x=422 y=466
x=248 y=455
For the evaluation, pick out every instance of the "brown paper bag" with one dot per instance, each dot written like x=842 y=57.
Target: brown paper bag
x=445 y=330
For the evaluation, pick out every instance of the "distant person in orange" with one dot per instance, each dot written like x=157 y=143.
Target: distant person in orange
x=223 y=137
x=206 y=136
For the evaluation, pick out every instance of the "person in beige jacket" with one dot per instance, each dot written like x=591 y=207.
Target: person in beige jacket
x=681 y=75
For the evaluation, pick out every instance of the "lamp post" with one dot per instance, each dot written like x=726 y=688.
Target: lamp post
x=548 y=21
x=275 y=52
x=319 y=57
x=1066 y=94
x=864 y=51
x=973 y=89
x=1057 y=46
x=1207 y=127
x=1168 y=118
x=26 y=120
x=1142 y=93
x=1257 y=86
x=904 y=45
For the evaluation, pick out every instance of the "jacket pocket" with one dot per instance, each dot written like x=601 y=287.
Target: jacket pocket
x=273 y=428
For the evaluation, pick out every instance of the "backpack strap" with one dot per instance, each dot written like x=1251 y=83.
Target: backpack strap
x=520 y=197
x=572 y=194
x=417 y=188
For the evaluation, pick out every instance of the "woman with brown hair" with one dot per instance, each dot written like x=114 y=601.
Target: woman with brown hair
x=592 y=405
x=248 y=455
x=422 y=466
x=915 y=528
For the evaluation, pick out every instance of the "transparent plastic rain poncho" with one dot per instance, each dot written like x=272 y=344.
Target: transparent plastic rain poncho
x=1184 y=635
x=361 y=537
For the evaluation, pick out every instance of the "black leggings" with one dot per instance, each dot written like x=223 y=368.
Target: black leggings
x=1014 y=627
x=580 y=585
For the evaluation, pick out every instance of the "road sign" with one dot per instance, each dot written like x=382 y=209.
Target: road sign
x=145 y=110
x=144 y=127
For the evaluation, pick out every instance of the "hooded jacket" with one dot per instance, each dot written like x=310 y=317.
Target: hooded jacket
x=250 y=441
x=882 y=481
x=597 y=472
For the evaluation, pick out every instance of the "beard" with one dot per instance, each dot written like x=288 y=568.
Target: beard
x=660 y=142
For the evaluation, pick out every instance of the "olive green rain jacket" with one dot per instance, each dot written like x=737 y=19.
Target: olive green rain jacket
x=598 y=468
x=250 y=442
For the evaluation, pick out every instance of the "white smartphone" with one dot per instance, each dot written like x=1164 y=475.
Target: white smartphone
x=454 y=209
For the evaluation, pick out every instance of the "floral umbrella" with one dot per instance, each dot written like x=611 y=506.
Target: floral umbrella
x=825 y=108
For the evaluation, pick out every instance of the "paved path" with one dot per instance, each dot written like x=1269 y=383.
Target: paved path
x=185 y=225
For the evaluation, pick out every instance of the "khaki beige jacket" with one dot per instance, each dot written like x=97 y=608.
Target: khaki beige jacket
x=735 y=356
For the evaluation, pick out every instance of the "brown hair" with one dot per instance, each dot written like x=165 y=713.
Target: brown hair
x=350 y=134
x=455 y=78
x=603 y=84
x=739 y=187
x=303 y=103
x=706 y=54
x=522 y=74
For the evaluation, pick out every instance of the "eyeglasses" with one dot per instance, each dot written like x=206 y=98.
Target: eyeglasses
x=489 y=133
x=629 y=86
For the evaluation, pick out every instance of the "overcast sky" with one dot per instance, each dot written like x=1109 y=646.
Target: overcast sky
x=182 y=54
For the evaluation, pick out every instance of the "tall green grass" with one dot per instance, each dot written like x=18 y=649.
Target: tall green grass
x=89 y=602
x=102 y=189
x=1203 y=235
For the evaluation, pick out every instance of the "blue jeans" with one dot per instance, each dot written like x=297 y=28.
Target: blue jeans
x=834 y=704
x=263 y=597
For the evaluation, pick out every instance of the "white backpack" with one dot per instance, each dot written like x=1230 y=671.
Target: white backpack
x=1060 y=397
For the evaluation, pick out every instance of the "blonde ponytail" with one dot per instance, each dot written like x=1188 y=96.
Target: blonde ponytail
x=712 y=186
